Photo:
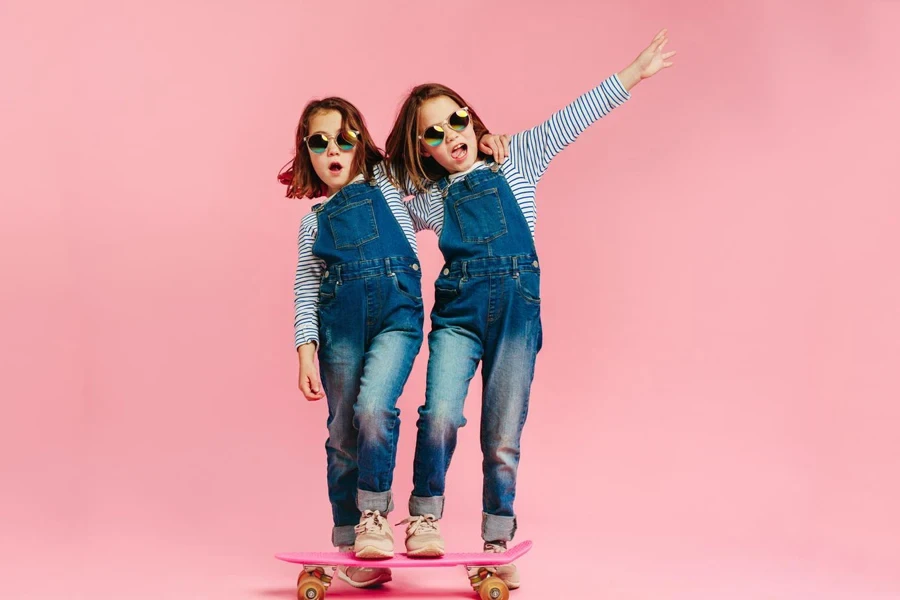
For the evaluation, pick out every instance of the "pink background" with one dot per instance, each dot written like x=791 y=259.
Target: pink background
x=715 y=412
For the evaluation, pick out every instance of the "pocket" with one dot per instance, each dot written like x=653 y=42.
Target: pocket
x=353 y=225
x=327 y=292
x=408 y=285
x=481 y=218
x=528 y=284
x=445 y=290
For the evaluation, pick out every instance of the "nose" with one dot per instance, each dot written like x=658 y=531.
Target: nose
x=333 y=149
x=450 y=135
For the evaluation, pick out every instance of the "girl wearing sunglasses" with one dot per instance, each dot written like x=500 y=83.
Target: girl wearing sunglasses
x=487 y=297
x=358 y=301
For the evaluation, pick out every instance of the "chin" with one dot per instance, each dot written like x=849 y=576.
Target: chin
x=454 y=167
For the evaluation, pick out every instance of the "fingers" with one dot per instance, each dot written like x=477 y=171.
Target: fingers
x=667 y=55
x=305 y=388
x=311 y=388
x=316 y=386
x=660 y=40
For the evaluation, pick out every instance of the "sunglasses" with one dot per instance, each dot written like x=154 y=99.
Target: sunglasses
x=458 y=121
x=345 y=140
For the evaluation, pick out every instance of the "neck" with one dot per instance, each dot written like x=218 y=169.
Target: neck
x=334 y=190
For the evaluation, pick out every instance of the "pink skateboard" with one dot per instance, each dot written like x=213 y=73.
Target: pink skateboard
x=312 y=585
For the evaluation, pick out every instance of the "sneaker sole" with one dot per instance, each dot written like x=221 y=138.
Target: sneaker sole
x=379 y=580
x=426 y=552
x=373 y=553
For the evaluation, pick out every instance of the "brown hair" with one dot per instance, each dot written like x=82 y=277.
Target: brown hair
x=406 y=162
x=299 y=175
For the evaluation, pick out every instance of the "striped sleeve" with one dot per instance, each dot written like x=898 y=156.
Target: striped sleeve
x=427 y=210
x=306 y=284
x=394 y=199
x=534 y=148
x=417 y=206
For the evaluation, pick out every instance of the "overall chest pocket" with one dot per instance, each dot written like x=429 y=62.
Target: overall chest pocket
x=481 y=218
x=353 y=225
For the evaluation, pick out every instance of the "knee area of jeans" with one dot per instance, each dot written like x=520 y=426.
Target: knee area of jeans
x=502 y=452
x=371 y=416
x=442 y=423
x=341 y=436
x=341 y=427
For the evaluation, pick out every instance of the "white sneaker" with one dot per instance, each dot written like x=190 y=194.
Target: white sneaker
x=374 y=536
x=423 y=537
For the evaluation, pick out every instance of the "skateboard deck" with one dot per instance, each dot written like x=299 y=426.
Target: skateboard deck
x=400 y=560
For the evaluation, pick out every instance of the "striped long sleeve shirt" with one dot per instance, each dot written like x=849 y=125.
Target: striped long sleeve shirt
x=310 y=267
x=530 y=153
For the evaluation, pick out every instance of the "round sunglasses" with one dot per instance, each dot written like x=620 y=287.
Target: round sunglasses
x=458 y=121
x=345 y=140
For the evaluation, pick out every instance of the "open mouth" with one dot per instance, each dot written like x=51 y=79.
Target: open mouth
x=335 y=168
x=459 y=151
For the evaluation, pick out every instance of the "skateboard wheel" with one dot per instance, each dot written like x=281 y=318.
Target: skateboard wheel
x=317 y=573
x=493 y=588
x=310 y=588
x=480 y=575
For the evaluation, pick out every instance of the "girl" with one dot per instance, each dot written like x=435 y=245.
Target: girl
x=357 y=298
x=487 y=297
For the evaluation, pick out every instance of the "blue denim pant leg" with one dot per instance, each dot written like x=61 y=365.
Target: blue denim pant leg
x=388 y=363
x=340 y=379
x=341 y=363
x=454 y=356
x=513 y=341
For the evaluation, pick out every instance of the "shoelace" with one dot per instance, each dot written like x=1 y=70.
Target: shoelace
x=372 y=521
x=422 y=524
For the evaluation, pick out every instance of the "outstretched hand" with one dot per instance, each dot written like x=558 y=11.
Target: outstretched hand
x=649 y=62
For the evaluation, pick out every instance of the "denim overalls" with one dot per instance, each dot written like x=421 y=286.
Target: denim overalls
x=370 y=331
x=487 y=308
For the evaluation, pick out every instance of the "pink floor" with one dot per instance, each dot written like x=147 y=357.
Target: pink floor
x=112 y=565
